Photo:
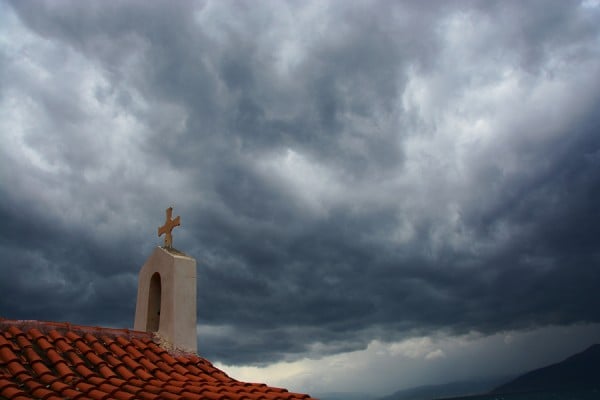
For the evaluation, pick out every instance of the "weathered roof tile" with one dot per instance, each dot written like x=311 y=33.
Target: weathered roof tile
x=49 y=360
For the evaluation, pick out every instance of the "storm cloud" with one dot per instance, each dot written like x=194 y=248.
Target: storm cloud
x=345 y=171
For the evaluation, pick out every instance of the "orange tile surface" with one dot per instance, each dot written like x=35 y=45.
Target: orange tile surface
x=51 y=361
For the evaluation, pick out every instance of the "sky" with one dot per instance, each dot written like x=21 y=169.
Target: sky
x=378 y=194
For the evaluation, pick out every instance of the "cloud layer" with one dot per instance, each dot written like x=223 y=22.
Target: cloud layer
x=346 y=172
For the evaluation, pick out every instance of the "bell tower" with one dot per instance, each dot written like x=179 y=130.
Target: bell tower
x=166 y=299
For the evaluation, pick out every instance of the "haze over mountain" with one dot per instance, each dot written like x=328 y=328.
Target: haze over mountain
x=580 y=371
x=577 y=373
x=451 y=389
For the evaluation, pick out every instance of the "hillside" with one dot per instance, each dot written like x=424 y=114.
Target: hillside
x=452 y=389
x=579 y=371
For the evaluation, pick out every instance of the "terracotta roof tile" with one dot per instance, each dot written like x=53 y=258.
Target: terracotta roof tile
x=124 y=373
x=50 y=361
x=12 y=392
x=64 y=371
x=147 y=396
x=59 y=386
x=191 y=396
x=98 y=348
x=131 y=388
x=41 y=392
x=106 y=372
x=7 y=355
x=170 y=360
x=141 y=373
x=120 y=395
x=98 y=394
x=84 y=371
x=16 y=367
x=48 y=378
x=24 y=378
x=71 y=393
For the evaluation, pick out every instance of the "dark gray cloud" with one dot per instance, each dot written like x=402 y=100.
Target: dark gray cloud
x=344 y=172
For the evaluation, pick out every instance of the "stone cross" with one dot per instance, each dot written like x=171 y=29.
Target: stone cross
x=168 y=227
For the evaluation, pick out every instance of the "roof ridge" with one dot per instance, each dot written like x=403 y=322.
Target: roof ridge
x=46 y=326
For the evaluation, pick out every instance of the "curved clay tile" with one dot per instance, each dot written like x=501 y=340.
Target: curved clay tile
x=51 y=361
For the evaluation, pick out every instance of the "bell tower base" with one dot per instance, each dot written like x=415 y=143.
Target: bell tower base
x=166 y=299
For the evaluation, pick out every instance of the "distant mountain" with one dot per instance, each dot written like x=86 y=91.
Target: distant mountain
x=581 y=371
x=343 y=396
x=453 y=389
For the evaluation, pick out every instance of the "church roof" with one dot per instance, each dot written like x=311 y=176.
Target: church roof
x=52 y=361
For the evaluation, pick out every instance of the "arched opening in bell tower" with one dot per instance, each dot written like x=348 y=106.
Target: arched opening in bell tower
x=153 y=322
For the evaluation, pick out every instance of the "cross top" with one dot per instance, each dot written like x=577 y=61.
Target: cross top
x=168 y=227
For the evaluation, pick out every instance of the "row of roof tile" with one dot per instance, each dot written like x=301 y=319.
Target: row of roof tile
x=51 y=361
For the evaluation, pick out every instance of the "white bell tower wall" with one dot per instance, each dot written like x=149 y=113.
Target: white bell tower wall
x=166 y=300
